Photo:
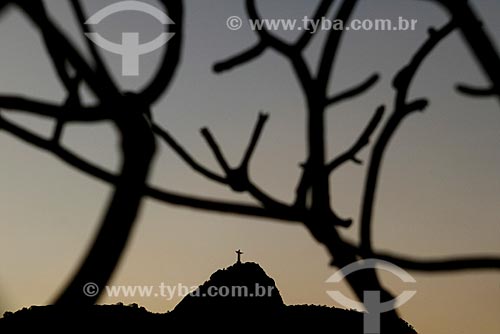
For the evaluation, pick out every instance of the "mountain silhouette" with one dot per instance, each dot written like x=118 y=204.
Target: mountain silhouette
x=239 y=298
x=240 y=288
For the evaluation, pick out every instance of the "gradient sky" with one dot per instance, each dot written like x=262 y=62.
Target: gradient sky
x=438 y=195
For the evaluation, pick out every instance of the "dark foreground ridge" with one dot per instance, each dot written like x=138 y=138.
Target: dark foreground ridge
x=253 y=303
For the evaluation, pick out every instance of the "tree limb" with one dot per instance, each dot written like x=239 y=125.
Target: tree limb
x=227 y=207
x=440 y=265
x=212 y=143
x=184 y=155
x=55 y=39
x=354 y=91
x=44 y=109
x=332 y=44
x=244 y=57
x=321 y=12
x=172 y=56
x=238 y=178
x=254 y=140
x=402 y=108
x=433 y=265
x=266 y=37
x=100 y=66
x=476 y=91
x=480 y=43
x=363 y=140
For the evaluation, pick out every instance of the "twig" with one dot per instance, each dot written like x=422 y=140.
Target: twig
x=170 y=141
x=354 y=91
x=44 y=109
x=79 y=163
x=444 y=264
x=238 y=178
x=205 y=132
x=172 y=56
x=321 y=12
x=243 y=57
x=363 y=140
x=54 y=38
x=476 y=91
x=330 y=50
x=254 y=140
x=48 y=145
x=480 y=43
x=441 y=265
x=266 y=37
x=100 y=66
x=402 y=108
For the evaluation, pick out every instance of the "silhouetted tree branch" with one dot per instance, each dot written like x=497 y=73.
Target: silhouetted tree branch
x=331 y=47
x=99 y=64
x=100 y=173
x=476 y=91
x=363 y=140
x=171 y=58
x=55 y=40
x=238 y=178
x=322 y=220
x=130 y=114
x=477 y=38
x=354 y=91
x=69 y=113
x=402 y=108
x=321 y=12
x=443 y=264
x=170 y=141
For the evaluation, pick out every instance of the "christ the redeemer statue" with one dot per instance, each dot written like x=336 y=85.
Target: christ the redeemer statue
x=239 y=252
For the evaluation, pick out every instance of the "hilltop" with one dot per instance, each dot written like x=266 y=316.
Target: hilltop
x=250 y=300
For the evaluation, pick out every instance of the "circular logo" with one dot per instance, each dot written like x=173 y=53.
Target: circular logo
x=90 y=289
x=234 y=22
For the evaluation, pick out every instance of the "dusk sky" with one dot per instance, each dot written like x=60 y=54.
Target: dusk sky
x=439 y=190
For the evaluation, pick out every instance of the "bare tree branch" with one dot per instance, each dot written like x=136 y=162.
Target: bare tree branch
x=130 y=185
x=100 y=66
x=254 y=140
x=91 y=169
x=363 y=140
x=479 y=262
x=219 y=157
x=402 y=108
x=56 y=40
x=73 y=102
x=332 y=44
x=481 y=45
x=242 y=58
x=238 y=178
x=444 y=264
x=321 y=12
x=441 y=265
x=303 y=187
x=354 y=91
x=171 y=58
x=269 y=39
x=170 y=141
x=476 y=91
x=44 y=109
x=226 y=207
x=49 y=145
